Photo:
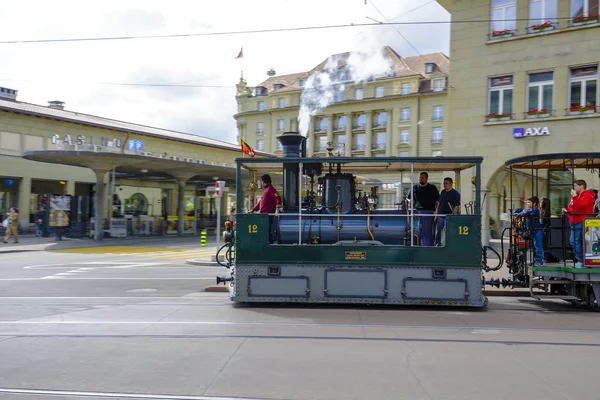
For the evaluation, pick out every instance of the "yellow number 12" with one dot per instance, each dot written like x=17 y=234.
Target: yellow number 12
x=252 y=228
x=463 y=230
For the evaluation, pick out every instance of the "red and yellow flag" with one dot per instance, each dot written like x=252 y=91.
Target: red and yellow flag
x=247 y=149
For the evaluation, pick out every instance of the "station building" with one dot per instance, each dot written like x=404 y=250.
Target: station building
x=523 y=81
x=152 y=181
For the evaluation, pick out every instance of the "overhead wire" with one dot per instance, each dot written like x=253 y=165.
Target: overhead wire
x=305 y=28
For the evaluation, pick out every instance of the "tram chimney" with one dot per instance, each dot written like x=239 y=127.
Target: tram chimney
x=293 y=147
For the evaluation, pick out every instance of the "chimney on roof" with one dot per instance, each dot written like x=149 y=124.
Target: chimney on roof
x=57 y=105
x=8 y=94
x=271 y=72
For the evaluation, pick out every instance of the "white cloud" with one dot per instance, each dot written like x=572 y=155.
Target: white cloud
x=71 y=71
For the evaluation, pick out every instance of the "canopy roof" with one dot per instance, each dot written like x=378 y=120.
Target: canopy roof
x=556 y=161
x=368 y=165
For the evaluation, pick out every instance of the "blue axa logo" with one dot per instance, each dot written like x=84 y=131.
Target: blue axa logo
x=518 y=133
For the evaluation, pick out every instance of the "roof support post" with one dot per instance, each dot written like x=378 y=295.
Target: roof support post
x=99 y=206
x=180 y=205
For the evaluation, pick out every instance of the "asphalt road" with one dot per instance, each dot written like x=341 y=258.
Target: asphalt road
x=101 y=326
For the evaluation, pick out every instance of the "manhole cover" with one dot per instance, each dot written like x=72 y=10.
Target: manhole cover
x=146 y=290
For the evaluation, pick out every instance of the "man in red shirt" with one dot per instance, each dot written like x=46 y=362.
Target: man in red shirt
x=580 y=207
x=270 y=199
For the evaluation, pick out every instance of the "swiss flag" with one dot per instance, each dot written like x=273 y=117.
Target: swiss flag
x=241 y=54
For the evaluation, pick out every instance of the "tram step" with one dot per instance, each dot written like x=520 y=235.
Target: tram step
x=556 y=297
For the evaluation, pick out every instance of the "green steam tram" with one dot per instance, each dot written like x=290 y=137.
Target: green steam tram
x=332 y=243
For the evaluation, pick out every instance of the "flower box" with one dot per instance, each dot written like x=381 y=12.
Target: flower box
x=586 y=19
x=493 y=117
x=577 y=110
x=546 y=26
x=541 y=113
x=501 y=34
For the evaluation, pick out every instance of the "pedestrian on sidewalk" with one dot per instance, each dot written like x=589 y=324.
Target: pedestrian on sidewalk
x=13 y=218
x=39 y=221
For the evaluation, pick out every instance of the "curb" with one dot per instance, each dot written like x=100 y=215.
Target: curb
x=215 y=288
x=18 y=251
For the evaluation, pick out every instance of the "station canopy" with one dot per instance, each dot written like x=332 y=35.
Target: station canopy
x=133 y=166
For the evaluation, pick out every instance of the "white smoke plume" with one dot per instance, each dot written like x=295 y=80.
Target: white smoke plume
x=366 y=63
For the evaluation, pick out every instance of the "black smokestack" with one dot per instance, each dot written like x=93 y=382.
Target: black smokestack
x=293 y=145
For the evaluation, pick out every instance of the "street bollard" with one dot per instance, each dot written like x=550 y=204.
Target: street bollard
x=203 y=239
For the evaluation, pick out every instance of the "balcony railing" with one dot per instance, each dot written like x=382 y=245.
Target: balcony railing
x=582 y=110
x=498 y=117
x=378 y=146
x=358 y=147
x=436 y=140
x=542 y=113
x=359 y=126
x=438 y=118
x=542 y=27
x=380 y=125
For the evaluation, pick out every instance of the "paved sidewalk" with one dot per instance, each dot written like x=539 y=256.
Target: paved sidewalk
x=33 y=243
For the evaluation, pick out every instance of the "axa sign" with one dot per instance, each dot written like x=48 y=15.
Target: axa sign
x=519 y=133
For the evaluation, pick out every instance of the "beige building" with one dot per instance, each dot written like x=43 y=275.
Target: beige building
x=402 y=115
x=521 y=86
x=150 y=177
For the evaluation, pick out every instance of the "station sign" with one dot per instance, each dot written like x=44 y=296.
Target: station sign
x=519 y=133
x=135 y=145
x=81 y=140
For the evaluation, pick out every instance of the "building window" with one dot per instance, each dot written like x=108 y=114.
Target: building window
x=259 y=91
x=405 y=114
x=342 y=75
x=302 y=82
x=404 y=136
x=339 y=96
x=260 y=128
x=405 y=88
x=504 y=15
x=403 y=154
x=280 y=124
x=358 y=141
x=261 y=106
x=583 y=86
x=437 y=135
x=340 y=122
x=281 y=102
x=260 y=145
x=322 y=125
x=540 y=91
x=436 y=153
x=277 y=86
x=360 y=121
x=500 y=95
x=358 y=94
x=438 y=113
x=279 y=145
x=379 y=91
x=583 y=8
x=380 y=140
x=428 y=68
x=541 y=11
x=340 y=143
x=322 y=144
x=381 y=119
x=438 y=85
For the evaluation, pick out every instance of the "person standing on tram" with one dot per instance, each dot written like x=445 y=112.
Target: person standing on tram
x=449 y=203
x=580 y=207
x=426 y=198
x=534 y=224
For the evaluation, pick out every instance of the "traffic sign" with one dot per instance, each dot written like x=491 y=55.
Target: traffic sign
x=218 y=189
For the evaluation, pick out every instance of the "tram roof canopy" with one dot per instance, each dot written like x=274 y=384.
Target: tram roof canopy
x=367 y=165
x=556 y=161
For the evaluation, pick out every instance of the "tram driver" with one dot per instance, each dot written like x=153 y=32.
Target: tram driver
x=426 y=199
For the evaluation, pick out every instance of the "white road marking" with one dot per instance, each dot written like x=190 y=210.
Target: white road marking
x=109 y=395
x=114 y=264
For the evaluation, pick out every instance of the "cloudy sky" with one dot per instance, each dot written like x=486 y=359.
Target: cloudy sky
x=89 y=76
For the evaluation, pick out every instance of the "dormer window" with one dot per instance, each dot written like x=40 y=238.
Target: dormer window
x=277 y=86
x=429 y=68
x=342 y=75
x=259 y=91
x=302 y=82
